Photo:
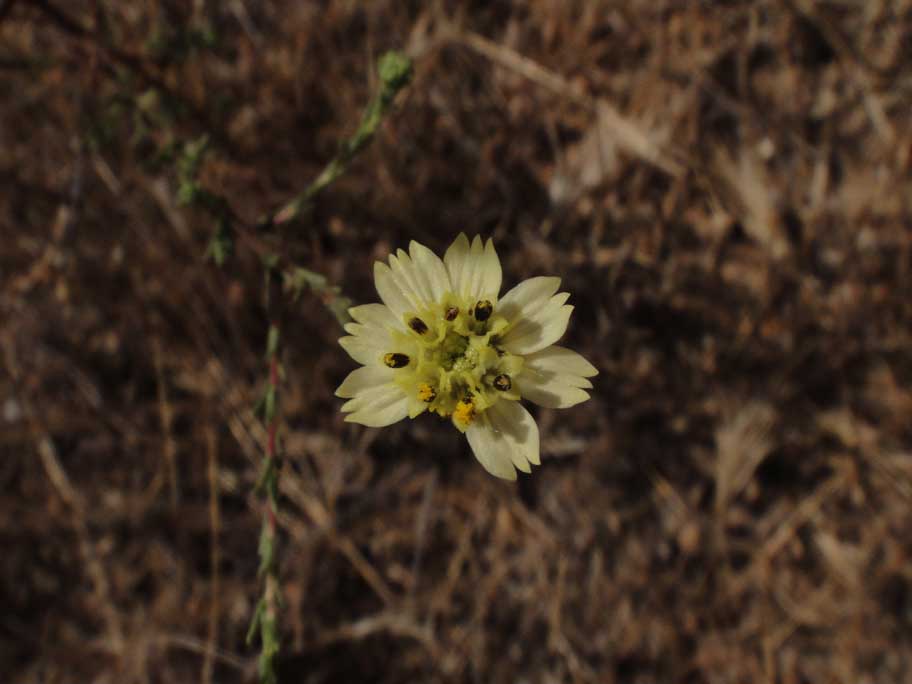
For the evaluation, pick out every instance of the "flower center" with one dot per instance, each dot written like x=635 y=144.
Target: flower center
x=460 y=369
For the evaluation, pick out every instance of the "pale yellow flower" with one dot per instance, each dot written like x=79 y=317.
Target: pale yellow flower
x=443 y=341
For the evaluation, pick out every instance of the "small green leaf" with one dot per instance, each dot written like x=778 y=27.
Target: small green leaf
x=395 y=71
x=270 y=629
x=272 y=341
x=187 y=193
x=192 y=157
x=332 y=296
x=221 y=246
x=266 y=551
x=255 y=621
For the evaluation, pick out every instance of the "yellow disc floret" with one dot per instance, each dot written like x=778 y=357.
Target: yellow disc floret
x=426 y=393
x=464 y=413
x=455 y=366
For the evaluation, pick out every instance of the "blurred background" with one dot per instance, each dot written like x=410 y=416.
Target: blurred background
x=724 y=188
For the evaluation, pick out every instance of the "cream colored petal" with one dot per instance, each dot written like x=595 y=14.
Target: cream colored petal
x=489 y=448
x=370 y=336
x=377 y=407
x=472 y=273
x=555 y=377
x=412 y=276
x=535 y=322
x=433 y=268
x=368 y=345
x=562 y=360
x=390 y=291
x=376 y=316
x=364 y=348
x=382 y=416
x=364 y=379
x=518 y=430
x=528 y=297
x=474 y=269
x=491 y=274
x=409 y=280
x=456 y=254
x=550 y=394
x=456 y=261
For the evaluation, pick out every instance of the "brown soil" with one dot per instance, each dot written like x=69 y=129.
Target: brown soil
x=724 y=188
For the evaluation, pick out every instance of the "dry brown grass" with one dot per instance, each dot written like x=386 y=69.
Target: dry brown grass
x=724 y=188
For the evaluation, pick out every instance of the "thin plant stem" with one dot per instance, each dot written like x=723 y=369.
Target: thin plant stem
x=395 y=73
x=266 y=617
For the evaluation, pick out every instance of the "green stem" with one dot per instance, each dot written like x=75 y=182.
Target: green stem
x=266 y=617
x=395 y=73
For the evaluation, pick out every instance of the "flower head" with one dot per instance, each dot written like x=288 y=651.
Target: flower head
x=444 y=341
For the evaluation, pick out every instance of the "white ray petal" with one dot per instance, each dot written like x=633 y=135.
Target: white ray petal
x=406 y=276
x=555 y=377
x=519 y=430
x=474 y=268
x=369 y=338
x=455 y=260
x=378 y=406
x=390 y=291
x=528 y=297
x=491 y=274
x=363 y=380
x=365 y=348
x=433 y=268
x=488 y=447
x=377 y=316
x=537 y=317
x=505 y=437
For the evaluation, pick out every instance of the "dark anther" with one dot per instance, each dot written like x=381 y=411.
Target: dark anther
x=503 y=382
x=483 y=310
x=451 y=313
x=418 y=326
x=394 y=360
